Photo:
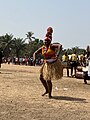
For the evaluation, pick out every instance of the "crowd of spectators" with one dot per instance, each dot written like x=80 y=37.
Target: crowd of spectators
x=21 y=61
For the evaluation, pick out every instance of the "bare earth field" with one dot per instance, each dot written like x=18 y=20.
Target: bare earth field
x=20 y=96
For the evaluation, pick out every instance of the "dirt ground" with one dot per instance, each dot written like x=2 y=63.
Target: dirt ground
x=20 y=96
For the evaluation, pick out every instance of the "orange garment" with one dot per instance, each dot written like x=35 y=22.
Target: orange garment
x=48 y=52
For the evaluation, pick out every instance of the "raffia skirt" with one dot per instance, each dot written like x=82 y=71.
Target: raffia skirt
x=52 y=71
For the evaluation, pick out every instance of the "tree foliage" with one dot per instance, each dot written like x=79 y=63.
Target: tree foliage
x=12 y=46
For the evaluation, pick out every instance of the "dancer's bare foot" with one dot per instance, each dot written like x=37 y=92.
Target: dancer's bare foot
x=44 y=93
x=50 y=96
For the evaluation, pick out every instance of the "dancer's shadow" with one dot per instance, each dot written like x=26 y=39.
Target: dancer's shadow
x=69 y=98
x=87 y=84
x=5 y=73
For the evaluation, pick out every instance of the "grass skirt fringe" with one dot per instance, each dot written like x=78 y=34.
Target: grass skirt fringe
x=52 y=71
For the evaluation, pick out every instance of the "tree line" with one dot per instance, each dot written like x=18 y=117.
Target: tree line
x=12 y=46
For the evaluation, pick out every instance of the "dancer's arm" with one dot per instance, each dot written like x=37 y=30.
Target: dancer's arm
x=58 y=46
x=37 y=52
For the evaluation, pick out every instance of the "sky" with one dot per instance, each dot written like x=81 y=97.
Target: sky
x=70 y=20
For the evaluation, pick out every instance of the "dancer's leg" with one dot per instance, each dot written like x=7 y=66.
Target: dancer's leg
x=44 y=84
x=49 y=83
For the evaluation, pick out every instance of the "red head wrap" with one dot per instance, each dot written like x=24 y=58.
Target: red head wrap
x=48 y=35
x=50 y=30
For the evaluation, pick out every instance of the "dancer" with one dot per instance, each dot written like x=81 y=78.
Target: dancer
x=52 y=67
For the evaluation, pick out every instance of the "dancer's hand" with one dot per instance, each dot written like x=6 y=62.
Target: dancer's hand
x=34 y=61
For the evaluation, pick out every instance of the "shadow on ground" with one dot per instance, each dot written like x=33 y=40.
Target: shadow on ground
x=69 y=98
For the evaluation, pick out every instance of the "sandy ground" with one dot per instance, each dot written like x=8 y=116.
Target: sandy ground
x=20 y=96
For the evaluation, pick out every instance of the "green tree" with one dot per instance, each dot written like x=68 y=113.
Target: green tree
x=6 y=43
x=19 y=47
x=33 y=46
x=30 y=36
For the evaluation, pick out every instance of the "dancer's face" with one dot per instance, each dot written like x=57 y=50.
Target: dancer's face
x=47 y=42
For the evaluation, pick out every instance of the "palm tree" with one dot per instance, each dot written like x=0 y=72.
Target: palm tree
x=29 y=36
x=19 y=46
x=5 y=43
